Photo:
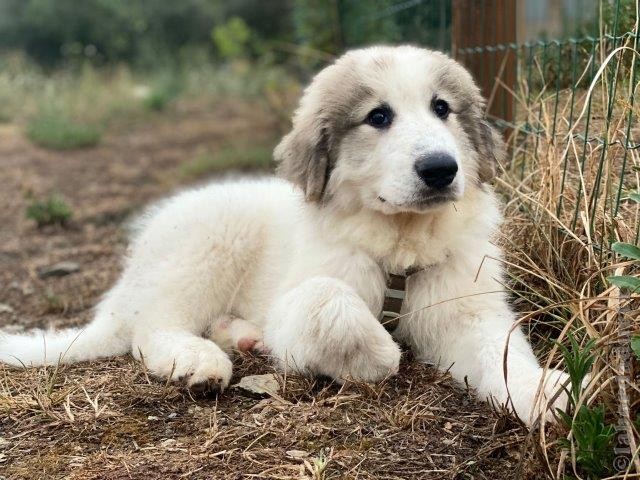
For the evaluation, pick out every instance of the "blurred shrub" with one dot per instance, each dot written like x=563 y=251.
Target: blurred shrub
x=336 y=25
x=148 y=32
x=158 y=99
x=231 y=157
x=164 y=90
x=53 y=129
x=105 y=30
x=232 y=38
x=270 y=20
x=50 y=211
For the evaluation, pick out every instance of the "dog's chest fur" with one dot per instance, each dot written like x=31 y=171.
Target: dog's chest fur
x=398 y=243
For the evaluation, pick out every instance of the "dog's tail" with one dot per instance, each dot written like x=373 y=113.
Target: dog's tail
x=103 y=337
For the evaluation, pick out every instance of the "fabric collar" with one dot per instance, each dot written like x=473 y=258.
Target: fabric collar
x=394 y=295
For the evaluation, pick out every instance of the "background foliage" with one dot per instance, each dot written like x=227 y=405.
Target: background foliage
x=143 y=31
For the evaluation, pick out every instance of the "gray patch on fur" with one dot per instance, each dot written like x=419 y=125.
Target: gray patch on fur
x=303 y=157
x=484 y=138
x=306 y=155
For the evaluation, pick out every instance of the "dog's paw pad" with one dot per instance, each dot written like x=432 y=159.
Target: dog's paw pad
x=209 y=388
x=260 y=348
x=246 y=343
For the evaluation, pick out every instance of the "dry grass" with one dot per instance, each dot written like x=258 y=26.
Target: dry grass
x=558 y=236
x=108 y=420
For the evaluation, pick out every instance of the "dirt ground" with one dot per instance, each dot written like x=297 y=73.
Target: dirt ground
x=109 y=420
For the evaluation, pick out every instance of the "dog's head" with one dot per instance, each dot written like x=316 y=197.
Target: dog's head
x=398 y=129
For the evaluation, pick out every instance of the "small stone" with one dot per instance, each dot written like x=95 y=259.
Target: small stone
x=59 y=269
x=172 y=415
x=25 y=288
x=153 y=418
x=297 y=454
x=4 y=308
x=260 y=384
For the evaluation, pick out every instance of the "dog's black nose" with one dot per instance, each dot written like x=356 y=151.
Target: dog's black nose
x=437 y=170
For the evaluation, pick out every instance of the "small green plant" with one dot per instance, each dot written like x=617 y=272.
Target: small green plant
x=157 y=100
x=51 y=129
x=50 y=211
x=635 y=345
x=163 y=93
x=232 y=38
x=319 y=467
x=254 y=158
x=578 y=361
x=593 y=439
x=591 y=436
x=626 y=282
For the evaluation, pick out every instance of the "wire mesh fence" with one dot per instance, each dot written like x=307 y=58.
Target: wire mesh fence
x=568 y=107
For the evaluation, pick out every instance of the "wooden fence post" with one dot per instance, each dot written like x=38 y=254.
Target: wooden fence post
x=488 y=23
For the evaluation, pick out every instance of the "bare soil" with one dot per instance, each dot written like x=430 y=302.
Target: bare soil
x=109 y=420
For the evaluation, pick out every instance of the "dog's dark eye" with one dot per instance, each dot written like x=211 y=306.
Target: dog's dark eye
x=440 y=108
x=380 y=117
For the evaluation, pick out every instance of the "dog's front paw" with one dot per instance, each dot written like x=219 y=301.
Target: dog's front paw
x=535 y=397
x=368 y=358
x=209 y=372
x=199 y=363
x=326 y=329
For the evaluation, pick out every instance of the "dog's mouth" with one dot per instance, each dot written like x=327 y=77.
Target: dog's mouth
x=427 y=201
x=421 y=203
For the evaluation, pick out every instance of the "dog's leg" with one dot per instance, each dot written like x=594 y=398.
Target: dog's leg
x=233 y=333
x=178 y=354
x=464 y=324
x=322 y=327
x=475 y=349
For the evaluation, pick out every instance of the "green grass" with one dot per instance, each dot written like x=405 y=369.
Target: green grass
x=593 y=441
x=50 y=211
x=591 y=436
x=70 y=107
x=166 y=89
x=158 y=100
x=229 y=158
x=56 y=131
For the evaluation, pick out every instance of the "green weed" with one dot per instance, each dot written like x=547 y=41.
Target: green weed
x=578 y=361
x=591 y=435
x=626 y=282
x=163 y=93
x=593 y=440
x=50 y=211
x=254 y=158
x=55 y=130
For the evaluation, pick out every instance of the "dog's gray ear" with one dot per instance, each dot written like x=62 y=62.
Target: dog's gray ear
x=491 y=151
x=303 y=156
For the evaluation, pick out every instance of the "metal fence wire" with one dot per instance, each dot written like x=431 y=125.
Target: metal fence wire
x=568 y=106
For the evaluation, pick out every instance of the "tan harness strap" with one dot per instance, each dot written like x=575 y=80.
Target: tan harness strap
x=394 y=295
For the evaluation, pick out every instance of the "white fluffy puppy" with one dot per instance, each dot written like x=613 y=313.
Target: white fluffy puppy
x=385 y=171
